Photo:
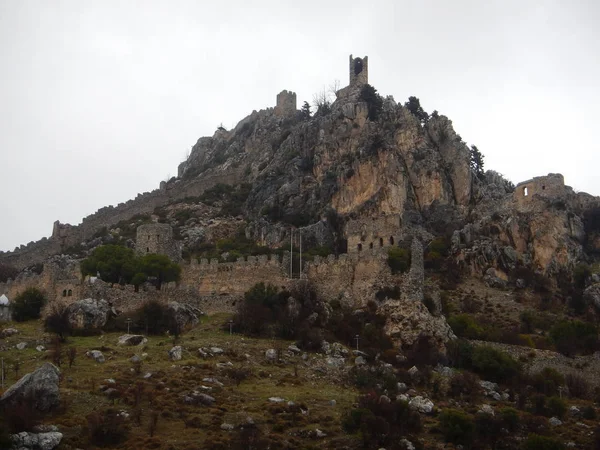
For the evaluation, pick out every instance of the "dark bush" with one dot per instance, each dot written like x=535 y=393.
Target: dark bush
x=7 y=272
x=556 y=407
x=578 y=386
x=57 y=321
x=488 y=429
x=548 y=381
x=152 y=317
x=414 y=106
x=27 y=305
x=536 y=442
x=510 y=418
x=388 y=292
x=457 y=427
x=114 y=263
x=464 y=326
x=460 y=353
x=369 y=95
x=379 y=422
x=573 y=337
x=588 y=413
x=398 y=259
x=465 y=385
x=493 y=364
x=107 y=428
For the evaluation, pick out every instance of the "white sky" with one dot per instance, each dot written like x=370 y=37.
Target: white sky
x=100 y=100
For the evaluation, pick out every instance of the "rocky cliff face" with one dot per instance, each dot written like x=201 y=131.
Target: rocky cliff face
x=411 y=174
x=300 y=167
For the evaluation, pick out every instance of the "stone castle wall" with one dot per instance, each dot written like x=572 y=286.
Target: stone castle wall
x=374 y=233
x=65 y=235
x=234 y=278
x=217 y=287
x=549 y=186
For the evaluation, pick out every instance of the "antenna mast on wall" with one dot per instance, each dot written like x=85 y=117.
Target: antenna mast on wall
x=300 y=270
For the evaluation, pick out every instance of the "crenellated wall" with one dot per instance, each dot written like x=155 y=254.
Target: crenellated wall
x=217 y=287
x=65 y=235
x=235 y=278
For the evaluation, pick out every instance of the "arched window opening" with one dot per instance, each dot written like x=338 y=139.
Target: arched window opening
x=381 y=242
x=69 y=293
x=525 y=191
x=64 y=293
x=147 y=250
x=391 y=240
x=371 y=245
x=359 y=247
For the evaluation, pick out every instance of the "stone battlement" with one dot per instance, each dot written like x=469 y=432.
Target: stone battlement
x=286 y=103
x=549 y=186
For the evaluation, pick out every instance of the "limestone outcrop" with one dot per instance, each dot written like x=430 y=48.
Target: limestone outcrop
x=408 y=321
x=186 y=316
x=38 y=388
x=36 y=441
x=89 y=314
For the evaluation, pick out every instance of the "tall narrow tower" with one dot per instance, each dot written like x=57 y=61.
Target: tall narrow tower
x=359 y=70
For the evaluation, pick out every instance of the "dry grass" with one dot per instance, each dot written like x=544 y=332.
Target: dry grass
x=181 y=425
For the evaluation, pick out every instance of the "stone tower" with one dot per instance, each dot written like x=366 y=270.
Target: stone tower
x=359 y=70
x=157 y=238
x=286 y=103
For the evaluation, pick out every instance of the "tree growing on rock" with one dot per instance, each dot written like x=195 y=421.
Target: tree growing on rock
x=305 y=110
x=374 y=102
x=476 y=162
x=414 y=106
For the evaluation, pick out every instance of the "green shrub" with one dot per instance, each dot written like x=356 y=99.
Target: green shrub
x=381 y=423
x=493 y=364
x=27 y=305
x=7 y=272
x=369 y=95
x=457 y=427
x=399 y=259
x=578 y=386
x=548 y=381
x=589 y=413
x=460 y=353
x=107 y=429
x=114 y=263
x=536 y=442
x=556 y=407
x=510 y=418
x=464 y=326
x=572 y=337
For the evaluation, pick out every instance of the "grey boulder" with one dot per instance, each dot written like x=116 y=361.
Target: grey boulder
x=36 y=441
x=88 y=314
x=38 y=388
x=186 y=316
x=132 y=339
x=175 y=353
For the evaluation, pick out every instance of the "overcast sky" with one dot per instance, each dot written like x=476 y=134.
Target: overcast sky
x=100 y=100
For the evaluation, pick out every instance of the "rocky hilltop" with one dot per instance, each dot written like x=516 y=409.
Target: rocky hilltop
x=360 y=170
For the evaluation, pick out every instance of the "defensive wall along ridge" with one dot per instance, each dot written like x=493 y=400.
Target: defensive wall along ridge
x=65 y=235
x=217 y=286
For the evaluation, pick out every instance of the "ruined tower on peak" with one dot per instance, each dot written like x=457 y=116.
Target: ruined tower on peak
x=286 y=103
x=359 y=70
x=359 y=76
